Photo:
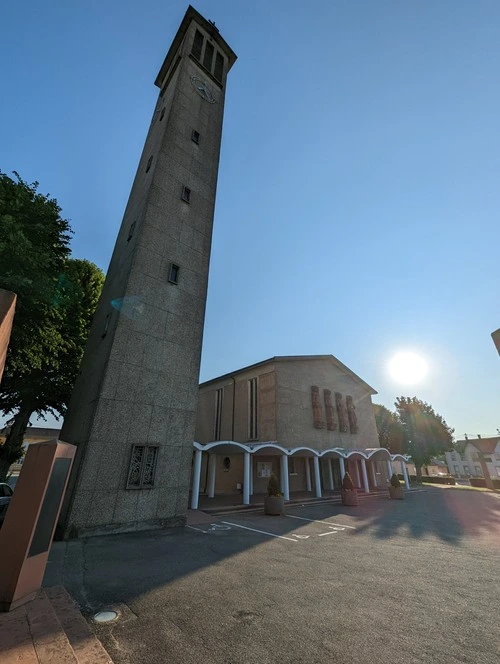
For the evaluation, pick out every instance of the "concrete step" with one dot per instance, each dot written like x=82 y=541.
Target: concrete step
x=49 y=640
x=85 y=645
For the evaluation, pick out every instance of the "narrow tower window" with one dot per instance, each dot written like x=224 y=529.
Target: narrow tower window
x=150 y=161
x=186 y=194
x=131 y=231
x=219 y=66
x=173 y=274
x=197 y=45
x=162 y=113
x=195 y=136
x=209 y=56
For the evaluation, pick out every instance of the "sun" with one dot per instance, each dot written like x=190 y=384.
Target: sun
x=408 y=368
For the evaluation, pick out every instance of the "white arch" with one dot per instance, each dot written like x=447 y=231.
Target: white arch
x=294 y=450
x=352 y=453
x=339 y=451
x=401 y=457
x=377 y=450
x=219 y=443
x=273 y=446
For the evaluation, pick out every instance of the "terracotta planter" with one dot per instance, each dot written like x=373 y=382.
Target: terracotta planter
x=349 y=498
x=274 y=505
x=396 y=492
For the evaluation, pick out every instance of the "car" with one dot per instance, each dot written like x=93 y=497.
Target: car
x=5 y=496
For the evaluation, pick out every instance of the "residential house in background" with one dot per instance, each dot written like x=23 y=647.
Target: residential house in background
x=32 y=435
x=468 y=464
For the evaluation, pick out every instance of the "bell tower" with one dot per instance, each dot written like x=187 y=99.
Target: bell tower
x=132 y=413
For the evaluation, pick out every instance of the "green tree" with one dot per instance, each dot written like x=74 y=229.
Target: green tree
x=426 y=433
x=390 y=433
x=56 y=297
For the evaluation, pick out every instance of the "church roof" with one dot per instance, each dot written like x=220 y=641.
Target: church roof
x=294 y=358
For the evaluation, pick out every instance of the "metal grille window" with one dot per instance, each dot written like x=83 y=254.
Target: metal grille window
x=219 y=66
x=197 y=45
x=219 y=396
x=252 y=409
x=141 y=472
x=208 y=57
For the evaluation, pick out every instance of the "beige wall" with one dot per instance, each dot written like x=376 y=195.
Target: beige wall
x=266 y=407
x=295 y=426
x=284 y=405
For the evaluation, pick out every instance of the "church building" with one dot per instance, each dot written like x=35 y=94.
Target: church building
x=308 y=419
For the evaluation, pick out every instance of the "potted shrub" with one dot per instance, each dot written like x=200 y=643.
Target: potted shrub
x=348 y=493
x=396 y=488
x=274 y=503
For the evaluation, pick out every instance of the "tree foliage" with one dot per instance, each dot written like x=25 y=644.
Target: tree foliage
x=425 y=432
x=390 y=433
x=56 y=298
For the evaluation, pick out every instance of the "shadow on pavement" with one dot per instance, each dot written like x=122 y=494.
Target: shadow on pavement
x=446 y=513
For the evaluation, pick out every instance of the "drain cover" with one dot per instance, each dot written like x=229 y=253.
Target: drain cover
x=105 y=616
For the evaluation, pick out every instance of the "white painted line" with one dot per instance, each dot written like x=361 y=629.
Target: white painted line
x=330 y=532
x=329 y=523
x=262 y=532
x=198 y=529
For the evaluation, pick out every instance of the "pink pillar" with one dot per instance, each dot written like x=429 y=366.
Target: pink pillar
x=30 y=522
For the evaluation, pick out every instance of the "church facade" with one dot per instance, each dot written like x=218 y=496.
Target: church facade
x=307 y=419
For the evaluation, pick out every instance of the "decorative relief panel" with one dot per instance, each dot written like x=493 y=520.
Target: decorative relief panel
x=331 y=422
x=342 y=413
x=351 y=414
x=142 y=467
x=316 y=407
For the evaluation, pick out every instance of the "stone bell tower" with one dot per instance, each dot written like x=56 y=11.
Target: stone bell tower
x=132 y=412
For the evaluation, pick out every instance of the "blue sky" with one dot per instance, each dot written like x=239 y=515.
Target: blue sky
x=358 y=199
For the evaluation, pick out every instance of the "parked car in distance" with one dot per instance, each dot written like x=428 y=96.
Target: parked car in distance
x=5 y=496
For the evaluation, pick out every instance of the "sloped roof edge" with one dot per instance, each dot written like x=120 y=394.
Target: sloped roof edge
x=292 y=358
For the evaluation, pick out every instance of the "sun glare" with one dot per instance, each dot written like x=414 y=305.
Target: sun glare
x=408 y=368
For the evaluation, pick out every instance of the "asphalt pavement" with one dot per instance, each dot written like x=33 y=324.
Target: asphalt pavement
x=400 y=581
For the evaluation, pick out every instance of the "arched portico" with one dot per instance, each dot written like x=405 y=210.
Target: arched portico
x=246 y=467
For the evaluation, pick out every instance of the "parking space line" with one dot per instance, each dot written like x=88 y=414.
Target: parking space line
x=262 y=532
x=330 y=532
x=198 y=529
x=329 y=523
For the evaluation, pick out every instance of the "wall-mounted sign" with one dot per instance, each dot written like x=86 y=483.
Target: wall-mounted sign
x=264 y=469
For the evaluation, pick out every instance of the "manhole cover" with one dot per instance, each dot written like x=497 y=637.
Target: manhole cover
x=105 y=616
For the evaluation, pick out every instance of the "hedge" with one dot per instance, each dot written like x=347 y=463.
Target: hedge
x=431 y=479
x=481 y=482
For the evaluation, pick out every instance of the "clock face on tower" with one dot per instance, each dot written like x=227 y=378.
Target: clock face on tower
x=203 y=89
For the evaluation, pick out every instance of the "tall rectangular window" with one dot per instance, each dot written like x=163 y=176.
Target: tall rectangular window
x=208 y=57
x=219 y=66
x=197 y=45
x=219 y=396
x=252 y=409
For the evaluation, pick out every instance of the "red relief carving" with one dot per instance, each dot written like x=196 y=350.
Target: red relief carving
x=351 y=414
x=316 y=407
x=331 y=423
x=341 y=411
